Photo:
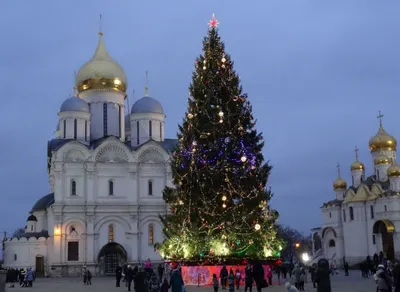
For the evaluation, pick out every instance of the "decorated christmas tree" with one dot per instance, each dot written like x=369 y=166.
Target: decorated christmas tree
x=219 y=206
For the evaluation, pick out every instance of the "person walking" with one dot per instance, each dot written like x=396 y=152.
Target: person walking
x=248 y=279
x=258 y=275
x=29 y=277
x=140 y=281
x=223 y=277
x=176 y=281
x=129 y=277
x=118 y=276
x=160 y=271
x=238 y=278
x=323 y=276
x=215 y=283
x=269 y=276
x=88 y=277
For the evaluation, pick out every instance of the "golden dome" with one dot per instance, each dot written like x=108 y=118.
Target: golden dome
x=382 y=141
x=381 y=159
x=339 y=183
x=101 y=72
x=357 y=165
x=394 y=170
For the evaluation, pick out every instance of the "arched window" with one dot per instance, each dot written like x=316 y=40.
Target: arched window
x=351 y=213
x=151 y=234
x=105 y=130
x=110 y=188
x=150 y=129
x=31 y=227
x=150 y=187
x=137 y=132
x=330 y=215
x=65 y=128
x=372 y=211
x=385 y=208
x=75 y=128
x=110 y=233
x=332 y=243
x=73 y=188
x=373 y=239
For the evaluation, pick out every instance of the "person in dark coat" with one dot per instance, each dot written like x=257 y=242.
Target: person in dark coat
x=129 y=277
x=258 y=275
x=140 y=281
x=160 y=270
x=396 y=277
x=346 y=268
x=176 y=281
x=248 y=278
x=164 y=286
x=223 y=276
x=118 y=275
x=313 y=273
x=323 y=276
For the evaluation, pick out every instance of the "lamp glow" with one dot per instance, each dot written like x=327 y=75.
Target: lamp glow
x=305 y=257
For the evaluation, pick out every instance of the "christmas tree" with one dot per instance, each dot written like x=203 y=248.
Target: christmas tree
x=219 y=205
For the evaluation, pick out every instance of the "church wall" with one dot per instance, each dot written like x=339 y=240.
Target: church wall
x=22 y=253
x=113 y=120
x=356 y=235
x=42 y=220
x=96 y=121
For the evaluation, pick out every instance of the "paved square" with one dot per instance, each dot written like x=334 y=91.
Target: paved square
x=353 y=283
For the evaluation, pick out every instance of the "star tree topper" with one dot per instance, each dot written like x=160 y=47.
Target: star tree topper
x=213 y=23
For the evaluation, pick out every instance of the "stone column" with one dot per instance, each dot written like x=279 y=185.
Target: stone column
x=90 y=257
x=90 y=180
x=3 y=275
x=133 y=238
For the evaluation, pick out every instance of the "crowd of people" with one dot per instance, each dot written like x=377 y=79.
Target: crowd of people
x=24 y=277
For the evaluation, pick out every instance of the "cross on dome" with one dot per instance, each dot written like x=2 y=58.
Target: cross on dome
x=338 y=169
x=356 y=151
x=146 y=88
x=380 y=116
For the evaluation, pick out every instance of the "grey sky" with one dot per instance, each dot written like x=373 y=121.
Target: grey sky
x=316 y=72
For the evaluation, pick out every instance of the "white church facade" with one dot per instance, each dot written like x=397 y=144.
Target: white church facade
x=364 y=218
x=107 y=171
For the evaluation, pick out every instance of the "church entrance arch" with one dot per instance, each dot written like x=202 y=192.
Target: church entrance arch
x=317 y=242
x=110 y=256
x=385 y=229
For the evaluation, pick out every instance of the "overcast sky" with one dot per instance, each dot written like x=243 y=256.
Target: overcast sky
x=316 y=72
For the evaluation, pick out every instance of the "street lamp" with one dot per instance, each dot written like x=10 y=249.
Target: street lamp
x=297 y=245
x=305 y=257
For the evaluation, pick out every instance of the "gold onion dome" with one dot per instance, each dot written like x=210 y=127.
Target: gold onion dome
x=382 y=141
x=357 y=165
x=339 y=183
x=394 y=170
x=101 y=72
x=381 y=159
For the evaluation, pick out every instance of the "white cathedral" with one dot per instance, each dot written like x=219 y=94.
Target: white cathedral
x=106 y=172
x=364 y=218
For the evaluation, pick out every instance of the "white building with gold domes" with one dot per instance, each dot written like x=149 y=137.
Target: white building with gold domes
x=106 y=173
x=364 y=218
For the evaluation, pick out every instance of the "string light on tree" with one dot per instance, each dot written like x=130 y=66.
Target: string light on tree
x=257 y=226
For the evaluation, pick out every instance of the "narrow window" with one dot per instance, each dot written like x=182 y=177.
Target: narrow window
x=150 y=188
x=75 y=128
x=352 y=180
x=110 y=233
x=105 y=132
x=344 y=215
x=110 y=188
x=377 y=174
x=330 y=215
x=160 y=131
x=150 y=129
x=137 y=132
x=73 y=188
x=332 y=243
x=65 y=128
x=73 y=251
x=151 y=234
x=31 y=227
x=351 y=213
x=85 y=130
x=385 y=208
x=372 y=211
x=15 y=257
x=373 y=239
x=120 y=119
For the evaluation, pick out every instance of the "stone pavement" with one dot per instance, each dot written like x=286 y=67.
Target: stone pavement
x=354 y=283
